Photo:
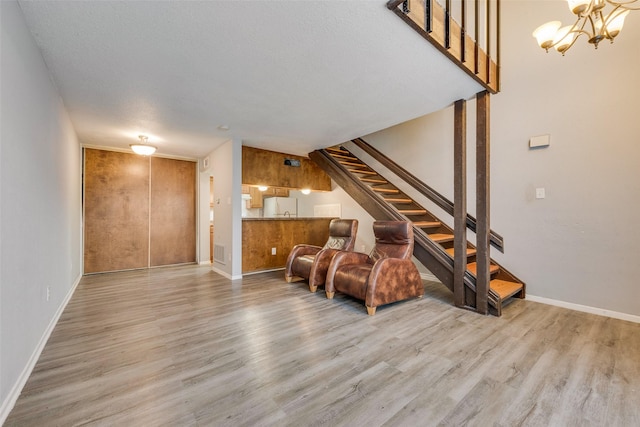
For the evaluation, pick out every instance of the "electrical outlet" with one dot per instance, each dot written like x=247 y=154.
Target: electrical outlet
x=540 y=193
x=363 y=248
x=273 y=251
x=48 y=293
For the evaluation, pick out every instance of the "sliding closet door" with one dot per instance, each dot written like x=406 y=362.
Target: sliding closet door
x=173 y=211
x=116 y=211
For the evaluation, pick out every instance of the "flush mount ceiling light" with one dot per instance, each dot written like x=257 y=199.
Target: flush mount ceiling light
x=602 y=25
x=263 y=187
x=142 y=148
x=223 y=128
x=305 y=191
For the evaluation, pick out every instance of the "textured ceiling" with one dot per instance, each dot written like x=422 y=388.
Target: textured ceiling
x=289 y=76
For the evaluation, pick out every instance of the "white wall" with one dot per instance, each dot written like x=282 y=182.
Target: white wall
x=226 y=169
x=204 y=254
x=40 y=196
x=580 y=244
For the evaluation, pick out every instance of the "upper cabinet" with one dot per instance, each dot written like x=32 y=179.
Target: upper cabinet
x=273 y=169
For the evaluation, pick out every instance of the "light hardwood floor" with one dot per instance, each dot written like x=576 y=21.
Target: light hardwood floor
x=184 y=346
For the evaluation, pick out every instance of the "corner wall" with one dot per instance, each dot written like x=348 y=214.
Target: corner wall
x=40 y=205
x=226 y=169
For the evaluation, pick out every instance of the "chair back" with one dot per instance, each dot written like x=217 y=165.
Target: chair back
x=342 y=234
x=394 y=239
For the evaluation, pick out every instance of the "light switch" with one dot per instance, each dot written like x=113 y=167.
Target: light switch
x=540 y=193
x=539 y=141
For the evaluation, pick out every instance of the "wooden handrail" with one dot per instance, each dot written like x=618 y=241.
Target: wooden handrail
x=441 y=24
x=441 y=201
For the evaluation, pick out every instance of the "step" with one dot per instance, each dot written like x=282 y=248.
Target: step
x=427 y=224
x=343 y=156
x=441 y=238
x=350 y=163
x=385 y=190
x=470 y=251
x=412 y=211
x=374 y=180
x=338 y=150
x=398 y=200
x=473 y=268
x=505 y=289
x=363 y=172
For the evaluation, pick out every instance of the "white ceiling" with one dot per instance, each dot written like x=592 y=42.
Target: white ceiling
x=289 y=76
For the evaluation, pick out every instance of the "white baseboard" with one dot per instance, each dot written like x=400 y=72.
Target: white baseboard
x=13 y=395
x=585 y=308
x=207 y=262
x=225 y=274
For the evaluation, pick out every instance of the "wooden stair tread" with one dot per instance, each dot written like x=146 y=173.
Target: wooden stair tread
x=385 y=190
x=440 y=238
x=363 y=172
x=350 y=163
x=470 y=251
x=473 y=268
x=397 y=200
x=339 y=150
x=412 y=211
x=504 y=288
x=427 y=224
x=343 y=156
x=373 y=180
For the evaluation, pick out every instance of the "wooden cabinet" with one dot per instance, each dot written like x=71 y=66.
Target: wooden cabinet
x=276 y=192
x=256 y=197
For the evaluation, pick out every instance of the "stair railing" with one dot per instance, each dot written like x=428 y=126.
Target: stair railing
x=438 y=199
x=461 y=30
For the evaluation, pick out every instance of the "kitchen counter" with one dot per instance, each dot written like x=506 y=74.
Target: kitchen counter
x=304 y=218
x=261 y=236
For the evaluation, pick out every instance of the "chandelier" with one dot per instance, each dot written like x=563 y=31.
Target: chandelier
x=601 y=25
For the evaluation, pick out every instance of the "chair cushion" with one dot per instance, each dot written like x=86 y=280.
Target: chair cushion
x=301 y=265
x=352 y=279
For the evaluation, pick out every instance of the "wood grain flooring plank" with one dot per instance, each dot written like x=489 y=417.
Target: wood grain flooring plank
x=183 y=346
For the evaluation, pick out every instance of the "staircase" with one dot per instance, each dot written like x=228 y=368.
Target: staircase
x=434 y=240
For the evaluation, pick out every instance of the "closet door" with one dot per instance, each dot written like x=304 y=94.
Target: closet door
x=116 y=211
x=173 y=212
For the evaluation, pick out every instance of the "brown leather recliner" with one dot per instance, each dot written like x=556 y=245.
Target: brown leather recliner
x=387 y=275
x=311 y=262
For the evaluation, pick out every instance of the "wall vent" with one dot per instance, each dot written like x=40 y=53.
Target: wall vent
x=218 y=253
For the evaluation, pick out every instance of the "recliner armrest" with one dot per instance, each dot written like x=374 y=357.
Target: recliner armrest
x=339 y=259
x=297 y=251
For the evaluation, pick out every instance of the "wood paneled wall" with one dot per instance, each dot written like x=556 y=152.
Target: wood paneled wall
x=130 y=221
x=263 y=167
x=260 y=235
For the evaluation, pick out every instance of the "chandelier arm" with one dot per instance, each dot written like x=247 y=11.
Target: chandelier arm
x=623 y=4
x=572 y=30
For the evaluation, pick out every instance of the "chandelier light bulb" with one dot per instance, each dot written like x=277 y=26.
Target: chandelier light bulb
x=545 y=33
x=614 y=26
